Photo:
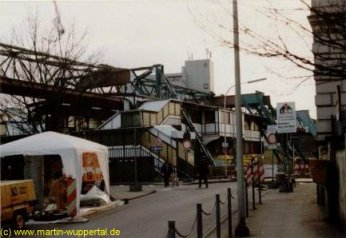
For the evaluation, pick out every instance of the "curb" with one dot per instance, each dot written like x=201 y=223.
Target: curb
x=113 y=205
x=210 y=181
x=139 y=196
x=99 y=210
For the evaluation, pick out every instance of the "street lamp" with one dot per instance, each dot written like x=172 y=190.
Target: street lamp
x=241 y=228
x=224 y=144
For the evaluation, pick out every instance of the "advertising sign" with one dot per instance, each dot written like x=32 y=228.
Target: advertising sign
x=286 y=117
x=271 y=136
x=247 y=158
x=91 y=168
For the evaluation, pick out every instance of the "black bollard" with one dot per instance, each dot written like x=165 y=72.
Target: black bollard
x=246 y=200
x=199 y=221
x=229 y=198
x=171 y=229
x=218 y=217
x=259 y=193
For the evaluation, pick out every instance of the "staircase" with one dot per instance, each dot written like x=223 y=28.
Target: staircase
x=172 y=152
x=258 y=104
x=187 y=118
x=152 y=115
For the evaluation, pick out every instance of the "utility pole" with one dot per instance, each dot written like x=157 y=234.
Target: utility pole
x=241 y=229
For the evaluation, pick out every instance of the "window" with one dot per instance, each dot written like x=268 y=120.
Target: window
x=210 y=117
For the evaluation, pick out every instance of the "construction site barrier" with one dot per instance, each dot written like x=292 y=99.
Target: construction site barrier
x=71 y=197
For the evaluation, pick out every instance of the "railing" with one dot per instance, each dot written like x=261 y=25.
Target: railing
x=226 y=129
x=145 y=118
x=168 y=153
x=173 y=94
x=171 y=154
x=198 y=138
x=198 y=221
x=252 y=135
x=127 y=151
x=197 y=224
x=135 y=151
x=111 y=123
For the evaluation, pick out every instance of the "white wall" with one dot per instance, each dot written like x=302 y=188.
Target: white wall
x=341 y=164
x=326 y=95
x=199 y=75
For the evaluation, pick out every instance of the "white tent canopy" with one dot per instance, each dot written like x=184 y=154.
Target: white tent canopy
x=69 y=148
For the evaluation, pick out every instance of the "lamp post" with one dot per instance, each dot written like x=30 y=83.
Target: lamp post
x=241 y=229
x=224 y=144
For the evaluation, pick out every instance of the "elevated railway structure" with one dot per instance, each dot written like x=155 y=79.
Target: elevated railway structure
x=26 y=72
x=130 y=108
x=258 y=104
x=55 y=88
x=50 y=84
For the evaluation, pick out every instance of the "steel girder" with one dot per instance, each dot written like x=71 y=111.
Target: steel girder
x=38 y=67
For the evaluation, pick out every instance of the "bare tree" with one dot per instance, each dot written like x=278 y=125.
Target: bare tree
x=327 y=59
x=46 y=55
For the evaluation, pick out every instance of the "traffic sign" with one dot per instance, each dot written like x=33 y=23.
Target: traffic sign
x=158 y=145
x=286 y=117
x=187 y=144
x=271 y=136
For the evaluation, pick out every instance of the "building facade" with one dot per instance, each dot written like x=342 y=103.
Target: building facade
x=328 y=24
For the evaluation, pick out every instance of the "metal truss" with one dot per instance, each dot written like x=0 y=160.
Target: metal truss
x=29 y=66
x=50 y=86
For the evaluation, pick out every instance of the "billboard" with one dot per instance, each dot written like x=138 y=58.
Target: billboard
x=286 y=117
x=271 y=136
x=91 y=168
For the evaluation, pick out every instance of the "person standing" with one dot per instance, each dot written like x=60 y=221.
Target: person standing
x=175 y=178
x=166 y=171
x=203 y=171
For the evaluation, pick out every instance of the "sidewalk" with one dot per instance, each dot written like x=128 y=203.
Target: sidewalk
x=122 y=192
x=122 y=195
x=288 y=215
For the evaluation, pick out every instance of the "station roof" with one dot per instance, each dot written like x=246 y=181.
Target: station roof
x=155 y=106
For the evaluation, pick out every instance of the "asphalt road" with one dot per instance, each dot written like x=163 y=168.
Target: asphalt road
x=148 y=217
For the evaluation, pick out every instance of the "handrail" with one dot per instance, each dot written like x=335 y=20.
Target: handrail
x=108 y=120
x=188 y=119
x=199 y=139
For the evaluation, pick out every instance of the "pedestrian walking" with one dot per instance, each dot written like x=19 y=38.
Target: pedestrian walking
x=203 y=171
x=166 y=171
x=175 y=178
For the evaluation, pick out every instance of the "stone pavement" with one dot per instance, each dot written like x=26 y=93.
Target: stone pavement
x=283 y=215
x=122 y=192
x=121 y=195
x=288 y=215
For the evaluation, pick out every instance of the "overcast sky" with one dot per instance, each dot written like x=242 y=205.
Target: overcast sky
x=142 y=33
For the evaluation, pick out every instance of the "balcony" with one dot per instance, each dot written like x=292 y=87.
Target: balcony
x=219 y=129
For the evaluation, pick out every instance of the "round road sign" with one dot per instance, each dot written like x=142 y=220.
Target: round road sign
x=158 y=142
x=272 y=139
x=187 y=144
